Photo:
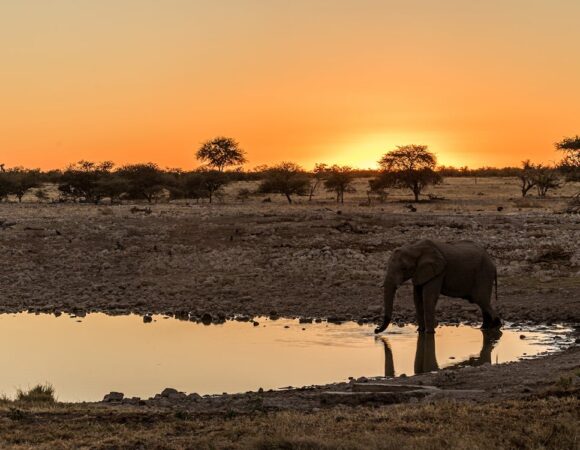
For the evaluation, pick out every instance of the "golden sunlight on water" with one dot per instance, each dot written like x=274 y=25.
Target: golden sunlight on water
x=87 y=359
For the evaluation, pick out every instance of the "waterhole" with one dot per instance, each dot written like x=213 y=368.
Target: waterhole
x=84 y=358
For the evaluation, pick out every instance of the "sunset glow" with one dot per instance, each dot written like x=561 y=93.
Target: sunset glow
x=339 y=81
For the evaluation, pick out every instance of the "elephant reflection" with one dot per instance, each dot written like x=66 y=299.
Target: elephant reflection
x=425 y=355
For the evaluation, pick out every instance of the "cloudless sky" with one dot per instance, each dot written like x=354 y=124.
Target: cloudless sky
x=481 y=82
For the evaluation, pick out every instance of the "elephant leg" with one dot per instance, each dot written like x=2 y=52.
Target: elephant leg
x=430 y=294
x=418 y=299
x=490 y=317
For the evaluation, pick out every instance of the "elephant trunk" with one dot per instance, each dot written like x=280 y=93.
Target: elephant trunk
x=390 y=290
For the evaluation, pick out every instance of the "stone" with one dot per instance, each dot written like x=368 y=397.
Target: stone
x=147 y=318
x=113 y=397
x=168 y=391
x=194 y=397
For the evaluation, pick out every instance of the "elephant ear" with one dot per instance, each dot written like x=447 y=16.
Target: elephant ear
x=430 y=264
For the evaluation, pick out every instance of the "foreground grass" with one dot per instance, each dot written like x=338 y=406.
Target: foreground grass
x=540 y=423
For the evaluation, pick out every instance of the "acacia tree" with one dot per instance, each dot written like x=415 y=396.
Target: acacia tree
x=143 y=180
x=409 y=167
x=218 y=153
x=545 y=178
x=23 y=181
x=526 y=177
x=319 y=172
x=81 y=180
x=221 y=152
x=286 y=178
x=570 y=164
x=339 y=180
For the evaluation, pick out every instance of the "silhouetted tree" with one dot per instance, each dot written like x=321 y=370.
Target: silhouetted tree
x=113 y=186
x=287 y=179
x=81 y=180
x=526 y=177
x=220 y=153
x=377 y=188
x=409 y=167
x=18 y=181
x=570 y=164
x=5 y=186
x=319 y=172
x=545 y=179
x=339 y=180
x=143 y=180
x=211 y=183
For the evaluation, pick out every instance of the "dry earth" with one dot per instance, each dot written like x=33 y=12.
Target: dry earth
x=308 y=259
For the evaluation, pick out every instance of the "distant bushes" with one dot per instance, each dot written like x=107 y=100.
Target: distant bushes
x=410 y=167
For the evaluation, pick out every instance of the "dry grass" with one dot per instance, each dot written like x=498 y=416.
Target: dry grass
x=540 y=423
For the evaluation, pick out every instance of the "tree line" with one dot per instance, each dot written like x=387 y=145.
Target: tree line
x=409 y=167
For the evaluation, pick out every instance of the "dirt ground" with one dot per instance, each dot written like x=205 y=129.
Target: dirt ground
x=308 y=259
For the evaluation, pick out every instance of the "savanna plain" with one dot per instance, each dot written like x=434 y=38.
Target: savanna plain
x=260 y=256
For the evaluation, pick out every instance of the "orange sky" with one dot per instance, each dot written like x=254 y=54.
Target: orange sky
x=482 y=83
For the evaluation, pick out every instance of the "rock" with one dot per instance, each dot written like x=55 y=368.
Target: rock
x=206 y=319
x=147 y=318
x=113 y=397
x=194 y=397
x=305 y=320
x=255 y=323
x=168 y=391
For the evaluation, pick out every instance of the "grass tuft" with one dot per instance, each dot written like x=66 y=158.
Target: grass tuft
x=41 y=393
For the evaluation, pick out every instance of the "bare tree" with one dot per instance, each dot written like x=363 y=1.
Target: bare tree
x=320 y=170
x=526 y=177
x=545 y=179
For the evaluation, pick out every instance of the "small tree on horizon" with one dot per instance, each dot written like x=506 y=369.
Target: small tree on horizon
x=526 y=177
x=18 y=181
x=286 y=178
x=81 y=180
x=409 y=167
x=320 y=170
x=339 y=180
x=545 y=179
x=144 y=180
x=221 y=152
x=570 y=164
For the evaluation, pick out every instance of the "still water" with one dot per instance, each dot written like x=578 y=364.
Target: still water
x=85 y=358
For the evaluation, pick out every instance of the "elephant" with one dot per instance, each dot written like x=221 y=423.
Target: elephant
x=460 y=269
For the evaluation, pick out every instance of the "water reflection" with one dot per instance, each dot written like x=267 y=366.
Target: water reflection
x=426 y=355
x=84 y=358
